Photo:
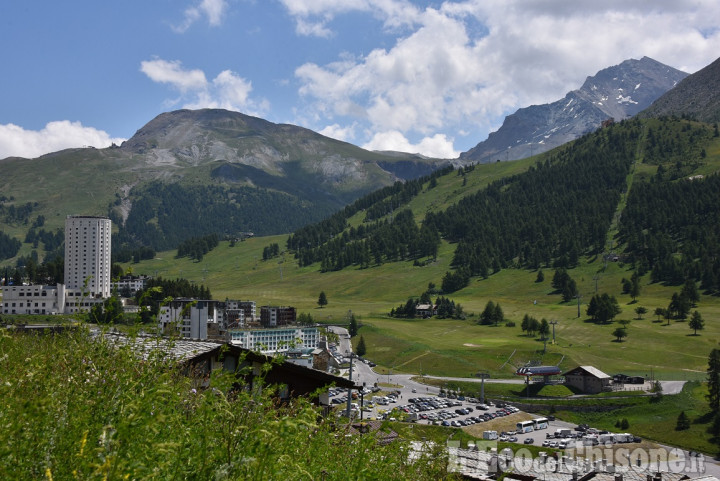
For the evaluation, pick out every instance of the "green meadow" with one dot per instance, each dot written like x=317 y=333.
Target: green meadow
x=447 y=347
x=462 y=348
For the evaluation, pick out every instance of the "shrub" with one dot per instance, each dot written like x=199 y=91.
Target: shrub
x=76 y=407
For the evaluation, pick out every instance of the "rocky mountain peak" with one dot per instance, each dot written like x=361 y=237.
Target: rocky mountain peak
x=617 y=92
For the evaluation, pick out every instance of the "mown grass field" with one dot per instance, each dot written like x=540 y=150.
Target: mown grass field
x=462 y=347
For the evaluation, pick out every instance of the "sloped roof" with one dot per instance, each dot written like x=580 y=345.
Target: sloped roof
x=186 y=350
x=538 y=371
x=180 y=350
x=589 y=370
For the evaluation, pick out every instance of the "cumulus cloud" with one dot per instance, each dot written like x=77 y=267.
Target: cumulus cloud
x=461 y=66
x=313 y=16
x=227 y=90
x=335 y=131
x=172 y=73
x=213 y=10
x=15 y=141
x=438 y=145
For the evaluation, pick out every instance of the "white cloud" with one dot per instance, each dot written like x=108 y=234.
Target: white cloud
x=313 y=16
x=335 y=131
x=438 y=145
x=171 y=72
x=226 y=91
x=18 y=142
x=213 y=10
x=464 y=65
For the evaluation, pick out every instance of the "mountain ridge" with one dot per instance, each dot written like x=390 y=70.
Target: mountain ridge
x=617 y=92
x=697 y=96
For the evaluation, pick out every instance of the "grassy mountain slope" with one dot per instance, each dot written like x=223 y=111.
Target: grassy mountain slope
x=311 y=175
x=462 y=347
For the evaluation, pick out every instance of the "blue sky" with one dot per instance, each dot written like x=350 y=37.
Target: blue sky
x=434 y=77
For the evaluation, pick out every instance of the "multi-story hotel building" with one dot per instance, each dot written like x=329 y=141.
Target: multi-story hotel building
x=87 y=259
x=87 y=255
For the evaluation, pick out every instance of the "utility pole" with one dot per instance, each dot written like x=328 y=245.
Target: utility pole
x=362 y=402
x=349 y=399
x=578 y=298
x=483 y=375
x=553 y=322
x=596 y=277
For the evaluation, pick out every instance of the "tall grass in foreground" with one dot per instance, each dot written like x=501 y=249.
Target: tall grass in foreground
x=73 y=406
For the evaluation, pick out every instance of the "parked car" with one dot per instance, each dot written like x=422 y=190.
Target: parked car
x=528 y=441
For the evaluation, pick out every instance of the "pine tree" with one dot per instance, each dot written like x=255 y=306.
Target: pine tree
x=713 y=380
x=498 y=315
x=544 y=329
x=353 y=327
x=619 y=333
x=683 y=422
x=696 y=322
x=488 y=313
x=360 y=349
x=525 y=325
x=322 y=300
x=635 y=286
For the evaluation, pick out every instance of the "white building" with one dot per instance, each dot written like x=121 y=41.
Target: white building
x=87 y=255
x=275 y=340
x=188 y=317
x=132 y=284
x=35 y=299
x=87 y=259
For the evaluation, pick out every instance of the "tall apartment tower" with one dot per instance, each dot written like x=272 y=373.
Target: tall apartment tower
x=87 y=254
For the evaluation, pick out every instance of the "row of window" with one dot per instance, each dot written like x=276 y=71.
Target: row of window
x=31 y=294
x=29 y=304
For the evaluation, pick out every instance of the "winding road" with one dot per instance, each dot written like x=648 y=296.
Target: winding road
x=362 y=373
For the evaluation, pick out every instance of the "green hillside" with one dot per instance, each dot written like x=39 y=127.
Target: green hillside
x=369 y=260
x=231 y=172
x=460 y=347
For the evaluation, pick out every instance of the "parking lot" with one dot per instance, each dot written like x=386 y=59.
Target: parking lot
x=455 y=411
x=458 y=411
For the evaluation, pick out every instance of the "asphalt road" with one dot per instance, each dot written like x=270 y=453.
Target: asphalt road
x=363 y=373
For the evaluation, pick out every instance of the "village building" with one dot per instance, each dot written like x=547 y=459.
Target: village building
x=201 y=358
x=588 y=379
x=87 y=273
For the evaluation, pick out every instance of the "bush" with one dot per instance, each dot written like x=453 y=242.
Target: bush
x=77 y=407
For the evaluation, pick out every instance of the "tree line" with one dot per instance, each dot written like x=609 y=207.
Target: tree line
x=558 y=210
x=165 y=215
x=158 y=289
x=384 y=240
x=672 y=229
x=197 y=247
x=380 y=206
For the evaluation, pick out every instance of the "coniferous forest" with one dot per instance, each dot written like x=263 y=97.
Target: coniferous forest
x=559 y=210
